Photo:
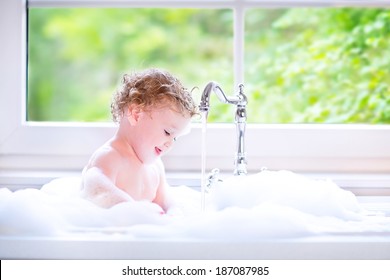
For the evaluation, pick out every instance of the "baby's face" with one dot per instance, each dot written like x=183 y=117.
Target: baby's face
x=156 y=132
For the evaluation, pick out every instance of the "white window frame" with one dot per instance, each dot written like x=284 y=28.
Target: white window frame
x=67 y=146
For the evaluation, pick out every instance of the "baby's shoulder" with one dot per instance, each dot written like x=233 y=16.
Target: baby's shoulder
x=106 y=153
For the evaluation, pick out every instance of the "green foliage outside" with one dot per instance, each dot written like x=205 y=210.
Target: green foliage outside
x=301 y=65
x=319 y=65
x=77 y=57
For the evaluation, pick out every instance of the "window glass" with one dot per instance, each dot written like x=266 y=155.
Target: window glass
x=302 y=65
x=318 y=65
x=77 y=56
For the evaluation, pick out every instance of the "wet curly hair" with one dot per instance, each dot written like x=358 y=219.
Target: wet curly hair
x=150 y=88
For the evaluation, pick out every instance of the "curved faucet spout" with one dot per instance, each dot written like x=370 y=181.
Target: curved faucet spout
x=239 y=99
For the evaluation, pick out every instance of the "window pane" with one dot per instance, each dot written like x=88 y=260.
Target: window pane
x=77 y=56
x=318 y=65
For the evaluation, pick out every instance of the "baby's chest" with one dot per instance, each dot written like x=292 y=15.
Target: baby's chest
x=141 y=184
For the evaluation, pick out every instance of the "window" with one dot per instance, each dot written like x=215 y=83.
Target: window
x=27 y=143
x=77 y=56
x=318 y=65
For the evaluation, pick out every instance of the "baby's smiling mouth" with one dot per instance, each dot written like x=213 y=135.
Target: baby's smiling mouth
x=158 y=151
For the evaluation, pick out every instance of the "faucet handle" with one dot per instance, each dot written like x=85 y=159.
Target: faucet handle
x=212 y=179
x=243 y=100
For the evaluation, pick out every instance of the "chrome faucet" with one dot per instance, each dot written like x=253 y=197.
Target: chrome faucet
x=240 y=101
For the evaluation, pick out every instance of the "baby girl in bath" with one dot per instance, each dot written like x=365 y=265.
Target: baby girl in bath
x=152 y=109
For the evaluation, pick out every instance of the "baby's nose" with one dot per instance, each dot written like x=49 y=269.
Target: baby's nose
x=169 y=143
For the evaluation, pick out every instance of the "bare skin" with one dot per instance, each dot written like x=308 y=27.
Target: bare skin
x=128 y=167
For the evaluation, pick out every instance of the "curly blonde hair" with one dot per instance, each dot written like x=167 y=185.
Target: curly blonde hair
x=150 y=88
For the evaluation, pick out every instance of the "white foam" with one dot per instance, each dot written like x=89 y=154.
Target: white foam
x=270 y=204
x=317 y=197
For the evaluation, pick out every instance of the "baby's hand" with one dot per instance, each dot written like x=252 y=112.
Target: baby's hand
x=153 y=207
x=175 y=211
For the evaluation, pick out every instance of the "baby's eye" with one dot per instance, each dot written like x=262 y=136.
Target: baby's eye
x=167 y=133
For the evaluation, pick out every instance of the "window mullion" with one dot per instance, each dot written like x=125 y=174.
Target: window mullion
x=239 y=38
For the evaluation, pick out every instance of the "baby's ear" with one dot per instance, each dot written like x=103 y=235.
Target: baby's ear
x=133 y=114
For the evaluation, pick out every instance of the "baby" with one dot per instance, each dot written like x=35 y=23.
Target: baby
x=153 y=109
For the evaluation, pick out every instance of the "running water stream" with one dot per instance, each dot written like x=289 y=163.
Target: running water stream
x=203 y=164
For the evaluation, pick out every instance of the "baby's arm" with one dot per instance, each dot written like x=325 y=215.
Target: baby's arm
x=98 y=188
x=163 y=198
x=98 y=180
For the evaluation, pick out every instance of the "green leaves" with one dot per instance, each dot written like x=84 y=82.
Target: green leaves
x=315 y=65
x=321 y=66
x=78 y=56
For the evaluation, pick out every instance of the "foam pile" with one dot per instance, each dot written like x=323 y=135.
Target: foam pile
x=270 y=204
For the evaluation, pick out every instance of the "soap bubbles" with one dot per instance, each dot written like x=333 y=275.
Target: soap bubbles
x=269 y=204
